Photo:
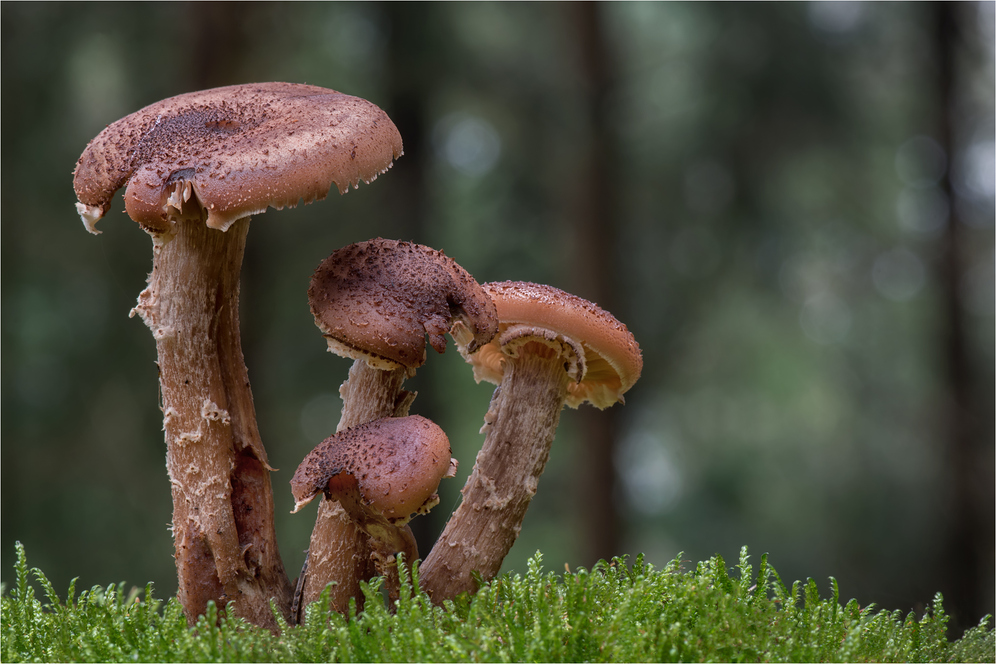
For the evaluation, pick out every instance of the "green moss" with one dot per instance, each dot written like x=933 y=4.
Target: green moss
x=614 y=612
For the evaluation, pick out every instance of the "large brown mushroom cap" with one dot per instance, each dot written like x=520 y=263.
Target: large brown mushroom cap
x=377 y=300
x=612 y=361
x=234 y=151
x=395 y=464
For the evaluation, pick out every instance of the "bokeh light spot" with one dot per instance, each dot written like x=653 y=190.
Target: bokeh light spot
x=469 y=144
x=921 y=162
x=898 y=274
x=922 y=211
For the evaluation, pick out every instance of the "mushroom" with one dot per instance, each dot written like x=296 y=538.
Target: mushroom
x=381 y=473
x=375 y=302
x=552 y=349
x=196 y=167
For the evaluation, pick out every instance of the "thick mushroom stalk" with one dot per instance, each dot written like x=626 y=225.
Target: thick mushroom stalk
x=376 y=302
x=381 y=474
x=222 y=497
x=552 y=349
x=195 y=167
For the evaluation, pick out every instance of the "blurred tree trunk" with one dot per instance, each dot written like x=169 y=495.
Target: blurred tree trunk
x=408 y=51
x=968 y=555
x=591 y=208
x=218 y=41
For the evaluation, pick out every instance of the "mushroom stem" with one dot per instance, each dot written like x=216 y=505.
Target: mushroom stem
x=521 y=423
x=339 y=551
x=223 y=528
x=369 y=394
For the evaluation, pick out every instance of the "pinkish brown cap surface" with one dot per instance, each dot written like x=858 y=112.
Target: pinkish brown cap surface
x=231 y=152
x=395 y=463
x=612 y=358
x=377 y=300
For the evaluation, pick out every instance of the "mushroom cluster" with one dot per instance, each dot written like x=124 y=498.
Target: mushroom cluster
x=195 y=168
x=375 y=302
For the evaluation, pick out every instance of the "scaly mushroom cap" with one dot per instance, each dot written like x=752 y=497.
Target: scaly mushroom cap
x=611 y=361
x=394 y=463
x=377 y=300
x=233 y=151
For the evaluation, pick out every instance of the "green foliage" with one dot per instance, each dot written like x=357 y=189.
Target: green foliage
x=614 y=612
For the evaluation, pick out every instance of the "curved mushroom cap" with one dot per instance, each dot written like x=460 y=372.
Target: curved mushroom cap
x=377 y=300
x=396 y=464
x=236 y=151
x=612 y=357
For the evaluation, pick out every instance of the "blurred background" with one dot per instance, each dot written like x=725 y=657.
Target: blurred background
x=790 y=205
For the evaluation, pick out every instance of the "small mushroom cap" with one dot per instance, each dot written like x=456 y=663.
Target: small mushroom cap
x=396 y=464
x=377 y=300
x=612 y=360
x=235 y=151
